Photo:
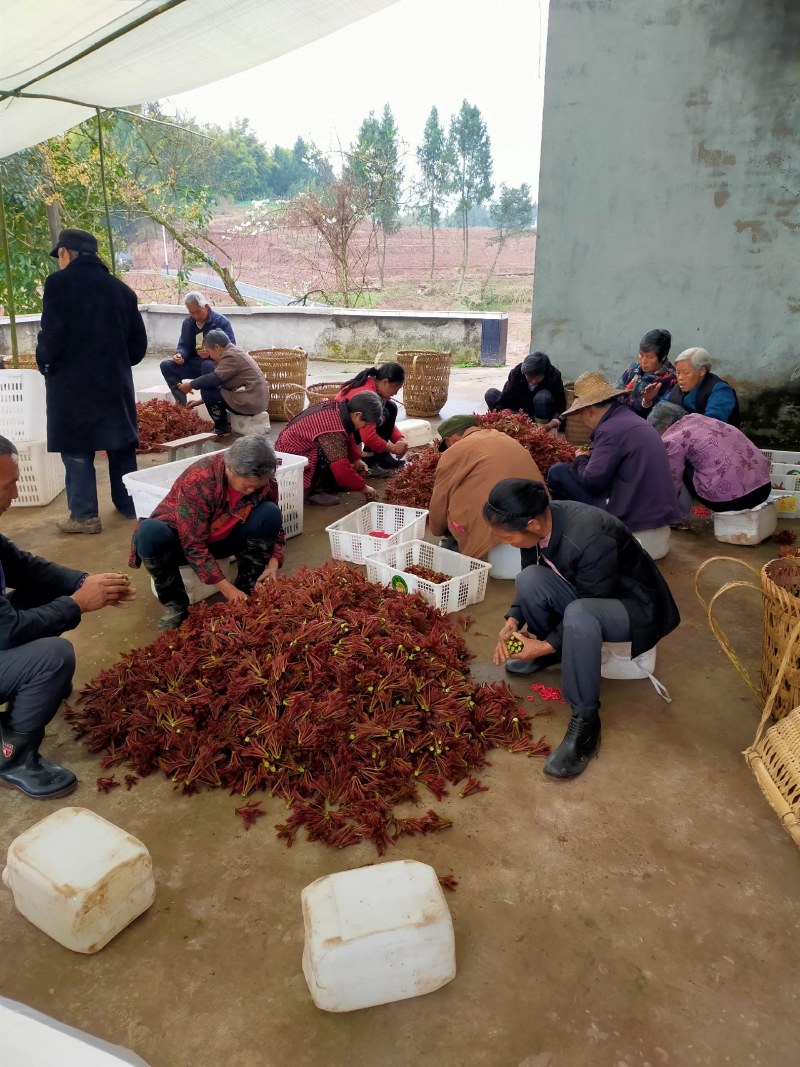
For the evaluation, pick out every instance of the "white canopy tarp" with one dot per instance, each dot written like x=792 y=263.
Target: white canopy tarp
x=117 y=53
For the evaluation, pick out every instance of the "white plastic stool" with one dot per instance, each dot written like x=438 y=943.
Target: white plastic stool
x=197 y=590
x=417 y=432
x=505 y=560
x=154 y=392
x=616 y=662
x=654 y=542
x=375 y=935
x=245 y=424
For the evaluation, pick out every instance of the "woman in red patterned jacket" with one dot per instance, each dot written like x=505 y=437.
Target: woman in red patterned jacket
x=326 y=435
x=224 y=505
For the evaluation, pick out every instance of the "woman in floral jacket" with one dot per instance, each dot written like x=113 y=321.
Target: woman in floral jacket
x=652 y=376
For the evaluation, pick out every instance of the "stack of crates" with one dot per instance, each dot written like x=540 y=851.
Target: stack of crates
x=784 y=472
x=23 y=414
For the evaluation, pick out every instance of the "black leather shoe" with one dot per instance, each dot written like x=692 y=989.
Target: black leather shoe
x=23 y=769
x=581 y=742
x=531 y=666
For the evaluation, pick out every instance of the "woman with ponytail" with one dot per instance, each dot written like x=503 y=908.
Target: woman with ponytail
x=384 y=441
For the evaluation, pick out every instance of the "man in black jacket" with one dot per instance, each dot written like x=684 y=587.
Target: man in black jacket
x=36 y=663
x=534 y=386
x=91 y=336
x=585 y=580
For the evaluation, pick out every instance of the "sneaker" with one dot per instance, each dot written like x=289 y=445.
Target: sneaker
x=80 y=526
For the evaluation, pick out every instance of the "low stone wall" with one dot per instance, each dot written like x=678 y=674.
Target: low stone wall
x=326 y=333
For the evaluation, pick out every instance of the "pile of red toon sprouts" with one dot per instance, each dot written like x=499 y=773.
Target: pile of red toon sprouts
x=412 y=487
x=161 y=420
x=342 y=698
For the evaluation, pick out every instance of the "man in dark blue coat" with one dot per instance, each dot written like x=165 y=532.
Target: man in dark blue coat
x=92 y=334
x=38 y=602
x=191 y=359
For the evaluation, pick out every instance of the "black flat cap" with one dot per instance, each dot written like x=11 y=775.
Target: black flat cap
x=76 y=241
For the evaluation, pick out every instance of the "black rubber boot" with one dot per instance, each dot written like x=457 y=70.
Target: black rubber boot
x=23 y=769
x=251 y=561
x=581 y=742
x=219 y=413
x=531 y=666
x=170 y=590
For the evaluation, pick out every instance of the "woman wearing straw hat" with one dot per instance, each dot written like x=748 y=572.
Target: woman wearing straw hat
x=627 y=472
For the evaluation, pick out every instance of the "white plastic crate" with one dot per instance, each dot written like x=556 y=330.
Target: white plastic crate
x=784 y=481
x=148 y=488
x=782 y=456
x=350 y=536
x=749 y=527
x=467 y=585
x=23 y=409
x=41 y=474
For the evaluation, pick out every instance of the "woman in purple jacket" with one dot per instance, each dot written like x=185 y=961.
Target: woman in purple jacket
x=626 y=472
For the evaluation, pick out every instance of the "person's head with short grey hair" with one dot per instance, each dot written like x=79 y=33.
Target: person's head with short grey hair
x=216 y=339
x=195 y=299
x=698 y=356
x=368 y=405
x=7 y=448
x=665 y=415
x=252 y=457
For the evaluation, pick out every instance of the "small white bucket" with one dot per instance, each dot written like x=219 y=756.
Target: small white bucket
x=616 y=663
x=654 y=542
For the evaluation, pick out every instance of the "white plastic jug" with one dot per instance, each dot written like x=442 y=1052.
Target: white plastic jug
x=79 y=878
x=375 y=935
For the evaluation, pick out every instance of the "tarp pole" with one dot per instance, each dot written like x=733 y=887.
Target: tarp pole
x=105 y=191
x=12 y=314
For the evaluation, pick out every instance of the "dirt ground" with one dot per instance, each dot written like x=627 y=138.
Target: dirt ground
x=644 y=914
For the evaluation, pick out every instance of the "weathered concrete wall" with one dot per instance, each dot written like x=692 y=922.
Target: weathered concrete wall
x=670 y=185
x=325 y=333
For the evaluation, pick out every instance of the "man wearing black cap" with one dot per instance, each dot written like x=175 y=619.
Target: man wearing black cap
x=92 y=334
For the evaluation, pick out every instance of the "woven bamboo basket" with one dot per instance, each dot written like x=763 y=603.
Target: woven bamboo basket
x=322 y=391
x=774 y=756
x=780 y=598
x=285 y=370
x=427 y=382
x=575 y=432
x=26 y=361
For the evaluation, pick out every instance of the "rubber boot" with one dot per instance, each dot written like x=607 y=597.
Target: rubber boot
x=251 y=559
x=170 y=591
x=581 y=742
x=532 y=666
x=23 y=769
x=219 y=413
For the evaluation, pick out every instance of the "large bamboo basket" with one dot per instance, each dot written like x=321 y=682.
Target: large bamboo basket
x=774 y=756
x=26 y=361
x=575 y=432
x=427 y=382
x=285 y=370
x=322 y=391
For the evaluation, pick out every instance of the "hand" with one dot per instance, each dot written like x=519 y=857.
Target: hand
x=553 y=424
x=649 y=393
x=369 y=493
x=532 y=648
x=230 y=592
x=100 y=590
x=270 y=572
x=399 y=448
x=178 y=358
x=361 y=467
x=510 y=627
x=185 y=387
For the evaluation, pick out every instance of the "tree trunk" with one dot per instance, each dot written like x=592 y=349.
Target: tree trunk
x=198 y=253
x=433 y=249
x=465 y=235
x=490 y=275
x=382 y=256
x=53 y=213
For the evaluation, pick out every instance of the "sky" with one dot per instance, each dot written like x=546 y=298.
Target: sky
x=413 y=55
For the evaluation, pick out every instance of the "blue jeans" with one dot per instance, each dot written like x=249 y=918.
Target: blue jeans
x=549 y=604
x=82 y=482
x=174 y=373
x=563 y=485
x=156 y=541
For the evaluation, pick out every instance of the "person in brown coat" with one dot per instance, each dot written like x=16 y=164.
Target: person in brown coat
x=236 y=384
x=474 y=459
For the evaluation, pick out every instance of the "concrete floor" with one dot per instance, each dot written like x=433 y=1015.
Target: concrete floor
x=646 y=913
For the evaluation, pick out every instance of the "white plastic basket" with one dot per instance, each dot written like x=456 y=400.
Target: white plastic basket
x=148 y=488
x=467 y=585
x=23 y=409
x=350 y=536
x=41 y=474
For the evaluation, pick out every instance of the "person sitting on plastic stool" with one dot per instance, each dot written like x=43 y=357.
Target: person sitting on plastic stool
x=36 y=662
x=225 y=504
x=585 y=580
x=235 y=384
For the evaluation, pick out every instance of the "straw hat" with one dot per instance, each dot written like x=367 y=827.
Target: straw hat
x=592 y=388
